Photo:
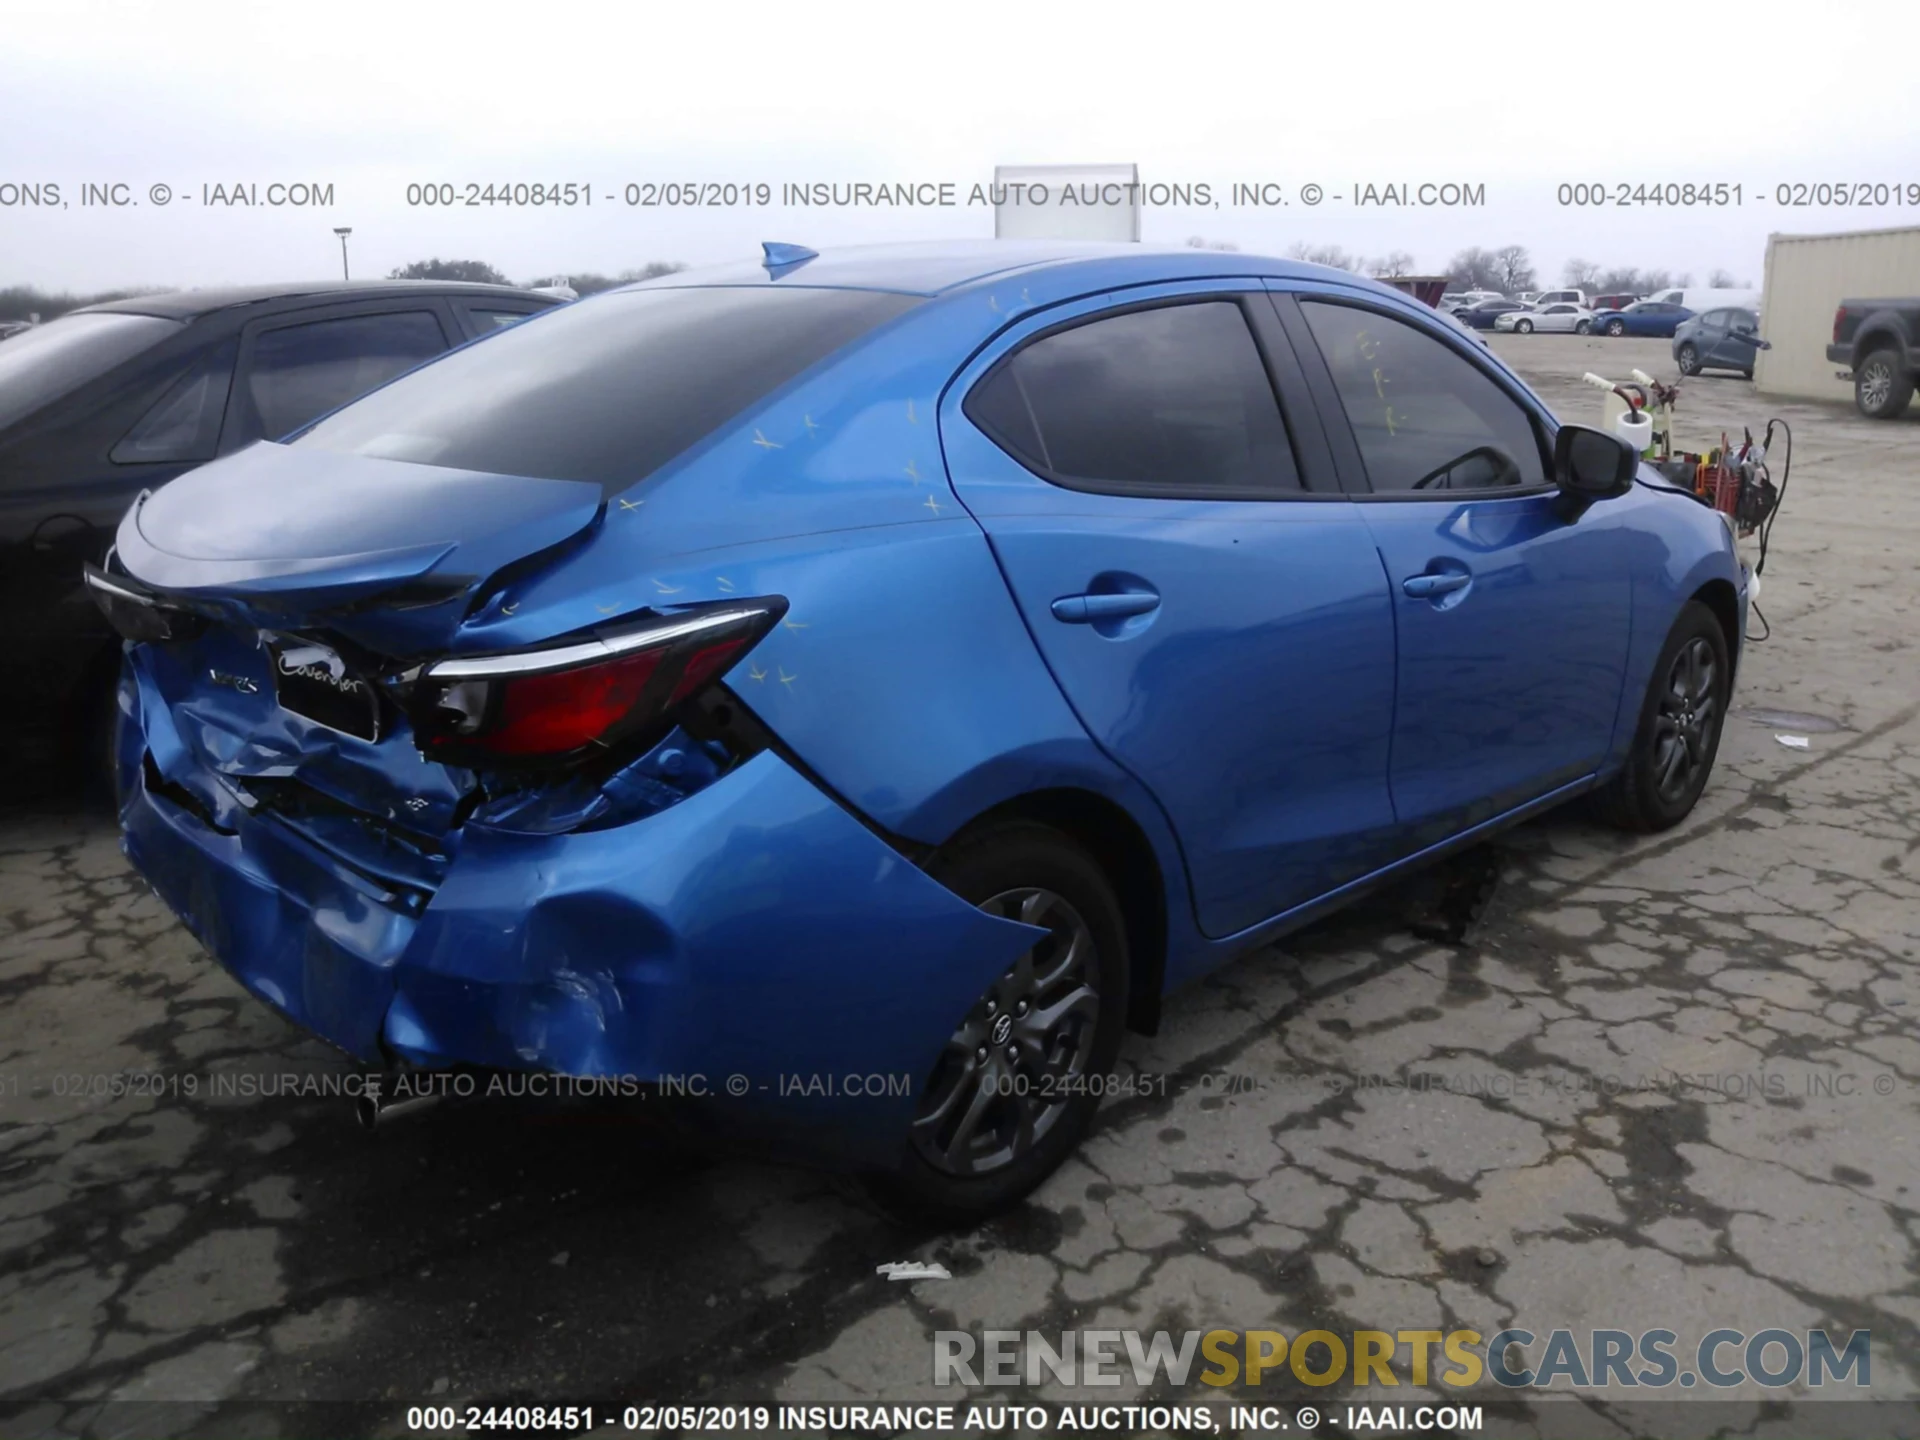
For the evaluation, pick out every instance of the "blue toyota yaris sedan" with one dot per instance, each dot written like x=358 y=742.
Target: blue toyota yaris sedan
x=858 y=686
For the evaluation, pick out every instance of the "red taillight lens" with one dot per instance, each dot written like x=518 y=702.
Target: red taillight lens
x=584 y=694
x=1839 y=319
x=552 y=714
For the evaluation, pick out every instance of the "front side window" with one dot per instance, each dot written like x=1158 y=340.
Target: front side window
x=1426 y=419
x=303 y=371
x=609 y=389
x=1169 y=400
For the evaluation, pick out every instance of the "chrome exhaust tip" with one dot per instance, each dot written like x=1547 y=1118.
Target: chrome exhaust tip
x=373 y=1108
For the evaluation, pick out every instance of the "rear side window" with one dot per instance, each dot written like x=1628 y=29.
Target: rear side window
x=1427 y=420
x=302 y=371
x=42 y=364
x=184 y=423
x=609 y=389
x=1172 y=400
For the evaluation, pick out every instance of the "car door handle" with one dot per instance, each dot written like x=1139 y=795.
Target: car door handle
x=1425 y=587
x=1083 y=609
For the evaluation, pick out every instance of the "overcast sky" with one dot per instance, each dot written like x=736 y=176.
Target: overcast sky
x=368 y=98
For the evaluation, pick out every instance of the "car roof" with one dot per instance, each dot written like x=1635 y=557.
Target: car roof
x=187 y=304
x=942 y=267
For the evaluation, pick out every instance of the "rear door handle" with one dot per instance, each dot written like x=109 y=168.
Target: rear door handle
x=1083 y=609
x=1425 y=587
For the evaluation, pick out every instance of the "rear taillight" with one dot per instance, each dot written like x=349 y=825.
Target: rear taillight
x=1839 y=320
x=585 y=694
x=137 y=613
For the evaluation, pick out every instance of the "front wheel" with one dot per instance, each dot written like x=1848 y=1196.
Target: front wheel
x=1583 y=328
x=1679 y=731
x=1689 y=359
x=1616 y=328
x=1523 y=327
x=1017 y=1084
x=1881 y=388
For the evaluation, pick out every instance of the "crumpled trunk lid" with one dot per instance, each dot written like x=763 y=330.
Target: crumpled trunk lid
x=388 y=553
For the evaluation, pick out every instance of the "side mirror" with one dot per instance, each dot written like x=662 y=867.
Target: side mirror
x=1591 y=465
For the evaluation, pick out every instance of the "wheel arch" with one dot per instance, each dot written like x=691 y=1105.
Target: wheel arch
x=1719 y=596
x=1881 y=336
x=1123 y=852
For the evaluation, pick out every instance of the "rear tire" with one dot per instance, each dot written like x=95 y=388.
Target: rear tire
x=1678 y=734
x=1881 y=388
x=1616 y=328
x=1584 y=327
x=1523 y=327
x=979 y=1145
x=1689 y=360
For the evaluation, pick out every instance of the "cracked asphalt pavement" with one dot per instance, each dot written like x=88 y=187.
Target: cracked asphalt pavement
x=1662 y=1081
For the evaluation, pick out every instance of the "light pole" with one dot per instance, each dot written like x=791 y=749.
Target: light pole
x=343 y=231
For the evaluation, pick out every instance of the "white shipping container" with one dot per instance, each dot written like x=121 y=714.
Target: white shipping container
x=1807 y=278
x=1066 y=202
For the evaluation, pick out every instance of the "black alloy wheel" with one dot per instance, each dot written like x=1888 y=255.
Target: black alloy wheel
x=1015 y=1087
x=1002 y=1084
x=1678 y=736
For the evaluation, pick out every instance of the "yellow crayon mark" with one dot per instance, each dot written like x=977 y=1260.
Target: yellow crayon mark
x=631 y=504
x=912 y=419
x=606 y=609
x=1379 y=383
x=933 y=505
x=994 y=303
x=509 y=609
x=807 y=420
x=756 y=673
x=1392 y=428
x=786 y=679
x=763 y=442
x=797 y=624
x=913 y=472
x=724 y=583
x=666 y=589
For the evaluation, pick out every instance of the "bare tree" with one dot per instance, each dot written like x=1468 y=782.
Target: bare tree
x=1581 y=274
x=1394 y=262
x=1200 y=242
x=1719 y=279
x=1474 y=269
x=1333 y=255
x=1515 y=268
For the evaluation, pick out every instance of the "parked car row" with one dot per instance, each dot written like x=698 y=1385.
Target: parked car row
x=115 y=399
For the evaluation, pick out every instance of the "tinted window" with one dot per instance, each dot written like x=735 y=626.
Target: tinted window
x=1743 y=319
x=1425 y=418
x=1715 y=318
x=607 y=389
x=1165 y=400
x=47 y=361
x=184 y=423
x=489 y=320
x=302 y=371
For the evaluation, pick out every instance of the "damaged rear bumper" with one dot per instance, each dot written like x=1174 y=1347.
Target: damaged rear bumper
x=753 y=942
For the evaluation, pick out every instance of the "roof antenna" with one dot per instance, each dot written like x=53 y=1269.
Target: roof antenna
x=781 y=258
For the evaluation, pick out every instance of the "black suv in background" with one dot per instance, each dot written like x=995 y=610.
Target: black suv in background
x=108 y=401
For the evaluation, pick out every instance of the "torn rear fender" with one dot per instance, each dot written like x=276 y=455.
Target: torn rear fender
x=755 y=929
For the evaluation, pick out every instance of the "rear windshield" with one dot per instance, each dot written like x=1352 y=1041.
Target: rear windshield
x=46 y=362
x=606 y=390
